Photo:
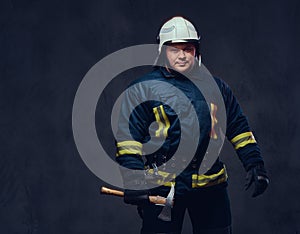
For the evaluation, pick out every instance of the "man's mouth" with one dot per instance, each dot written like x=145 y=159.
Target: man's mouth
x=181 y=63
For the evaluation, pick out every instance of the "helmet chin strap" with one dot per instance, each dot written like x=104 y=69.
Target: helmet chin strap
x=199 y=60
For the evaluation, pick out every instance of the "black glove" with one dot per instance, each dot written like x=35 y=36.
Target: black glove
x=136 y=197
x=258 y=175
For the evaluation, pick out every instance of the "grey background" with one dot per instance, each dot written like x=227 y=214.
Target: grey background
x=46 y=47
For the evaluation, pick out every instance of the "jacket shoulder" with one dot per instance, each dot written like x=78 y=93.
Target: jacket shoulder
x=220 y=82
x=154 y=74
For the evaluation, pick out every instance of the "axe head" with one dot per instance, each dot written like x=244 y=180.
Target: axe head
x=165 y=214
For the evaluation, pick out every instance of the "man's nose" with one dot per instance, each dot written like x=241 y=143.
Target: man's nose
x=181 y=54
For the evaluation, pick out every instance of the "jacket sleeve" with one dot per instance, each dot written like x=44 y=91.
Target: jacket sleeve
x=239 y=132
x=134 y=121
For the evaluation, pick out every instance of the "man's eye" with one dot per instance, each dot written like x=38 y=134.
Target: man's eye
x=189 y=49
x=174 y=50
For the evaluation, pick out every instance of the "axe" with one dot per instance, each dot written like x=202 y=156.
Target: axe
x=165 y=214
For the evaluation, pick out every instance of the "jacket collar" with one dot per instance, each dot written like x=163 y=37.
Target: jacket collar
x=166 y=73
x=194 y=74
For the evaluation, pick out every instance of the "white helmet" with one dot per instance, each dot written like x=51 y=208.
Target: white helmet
x=177 y=29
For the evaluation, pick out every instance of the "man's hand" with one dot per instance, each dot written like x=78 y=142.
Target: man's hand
x=136 y=197
x=257 y=174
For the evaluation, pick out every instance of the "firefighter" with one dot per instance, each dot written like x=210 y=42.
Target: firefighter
x=204 y=196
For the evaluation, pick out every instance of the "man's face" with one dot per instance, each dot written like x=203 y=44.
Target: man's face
x=181 y=56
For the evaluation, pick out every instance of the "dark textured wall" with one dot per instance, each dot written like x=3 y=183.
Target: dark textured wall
x=46 y=47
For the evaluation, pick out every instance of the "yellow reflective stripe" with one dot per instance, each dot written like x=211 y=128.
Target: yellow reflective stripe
x=244 y=143
x=211 y=183
x=129 y=143
x=214 y=121
x=240 y=136
x=210 y=177
x=168 y=184
x=243 y=139
x=162 y=121
x=167 y=122
x=163 y=174
x=160 y=124
x=209 y=180
x=129 y=147
x=129 y=151
x=162 y=182
x=163 y=177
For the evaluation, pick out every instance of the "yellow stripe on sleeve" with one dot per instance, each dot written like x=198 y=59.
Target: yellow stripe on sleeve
x=167 y=122
x=242 y=140
x=162 y=121
x=129 y=147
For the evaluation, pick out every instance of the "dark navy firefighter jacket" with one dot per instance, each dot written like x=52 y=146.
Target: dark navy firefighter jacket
x=152 y=109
